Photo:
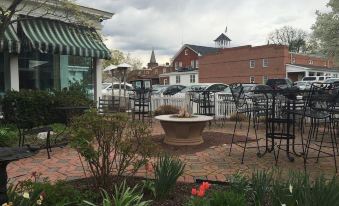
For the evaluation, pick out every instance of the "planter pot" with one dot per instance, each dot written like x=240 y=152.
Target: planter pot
x=183 y=131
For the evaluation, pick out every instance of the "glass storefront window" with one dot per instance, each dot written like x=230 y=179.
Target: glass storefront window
x=80 y=69
x=2 y=73
x=38 y=71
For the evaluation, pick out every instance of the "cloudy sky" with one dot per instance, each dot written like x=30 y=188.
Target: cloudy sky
x=140 y=25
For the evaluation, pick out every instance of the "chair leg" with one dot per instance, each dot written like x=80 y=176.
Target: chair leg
x=235 y=127
x=48 y=145
x=248 y=130
x=322 y=140
x=333 y=148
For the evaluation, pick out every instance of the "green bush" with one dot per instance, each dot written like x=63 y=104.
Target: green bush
x=166 y=109
x=111 y=143
x=33 y=108
x=8 y=136
x=27 y=109
x=167 y=170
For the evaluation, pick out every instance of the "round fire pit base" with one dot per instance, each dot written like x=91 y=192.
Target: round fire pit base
x=183 y=131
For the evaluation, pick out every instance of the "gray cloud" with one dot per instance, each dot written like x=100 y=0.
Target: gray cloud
x=140 y=25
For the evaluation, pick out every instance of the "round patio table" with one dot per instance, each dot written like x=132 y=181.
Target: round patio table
x=7 y=155
x=183 y=131
x=272 y=120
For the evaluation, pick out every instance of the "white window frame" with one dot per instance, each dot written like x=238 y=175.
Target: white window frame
x=310 y=61
x=196 y=63
x=155 y=71
x=165 y=81
x=264 y=79
x=252 y=63
x=265 y=62
x=293 y=60
x=192 y=78
x=186 y=52
x=164 y=70
x=177 y=79
x=192 y=64
x=252 y=77
x=180 y=64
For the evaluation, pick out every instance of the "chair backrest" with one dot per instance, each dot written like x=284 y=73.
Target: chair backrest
x=322 y=96
x=238 y=94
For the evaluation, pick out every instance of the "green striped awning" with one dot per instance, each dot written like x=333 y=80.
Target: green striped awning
x=51 y=36
x=11 y=42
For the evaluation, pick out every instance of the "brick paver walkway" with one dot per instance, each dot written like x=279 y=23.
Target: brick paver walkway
x=212 y=163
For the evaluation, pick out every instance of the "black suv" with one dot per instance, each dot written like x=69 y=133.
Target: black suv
x=279 y=83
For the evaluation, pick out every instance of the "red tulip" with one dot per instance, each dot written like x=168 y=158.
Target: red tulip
x=201 y=193
x=194 y=191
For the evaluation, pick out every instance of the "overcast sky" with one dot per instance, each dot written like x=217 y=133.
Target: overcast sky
x=140 y=25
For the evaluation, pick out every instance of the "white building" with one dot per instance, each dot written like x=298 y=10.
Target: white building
x=46 y=52
x=309 y=70
x=184 y=78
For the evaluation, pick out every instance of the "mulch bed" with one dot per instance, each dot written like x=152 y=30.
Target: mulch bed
x=211 y=139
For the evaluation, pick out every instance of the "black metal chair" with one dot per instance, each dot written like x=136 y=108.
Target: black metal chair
x=319 y=105
x=23 y=133
x=243 y=108
x=142 y=104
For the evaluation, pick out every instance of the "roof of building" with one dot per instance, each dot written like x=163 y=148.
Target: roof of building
x=202 y=50
x=222 y=37
x=314 y=67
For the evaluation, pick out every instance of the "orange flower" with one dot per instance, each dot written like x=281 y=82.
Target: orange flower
x=201 y=193
x=205 y=185
x=194 y=191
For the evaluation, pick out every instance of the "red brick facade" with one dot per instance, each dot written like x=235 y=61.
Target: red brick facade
x=152 y=74
x=184 y=58
x=233 y=64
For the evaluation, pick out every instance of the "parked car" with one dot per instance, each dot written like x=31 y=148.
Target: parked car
x=315 y=78
x=202 y=87
x=255 y=90
x=159 y=89
x=280 y=83
x=303 y=85
x=173 y=89
x=332 y=80
x=107 y=89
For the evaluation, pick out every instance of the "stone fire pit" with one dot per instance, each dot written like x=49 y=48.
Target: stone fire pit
x=183 y=131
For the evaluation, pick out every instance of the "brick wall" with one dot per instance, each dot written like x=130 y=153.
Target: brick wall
x=233 y=64
x=185 y=56
x=310 y=60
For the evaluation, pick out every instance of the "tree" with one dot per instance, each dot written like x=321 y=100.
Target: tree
x=28 y=9
x=295 y=39
x=118 y=57
x=326 y=30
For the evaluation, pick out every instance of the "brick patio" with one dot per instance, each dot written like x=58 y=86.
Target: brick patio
x=212 y=163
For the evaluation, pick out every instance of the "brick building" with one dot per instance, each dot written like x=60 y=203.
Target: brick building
x=188 y=56
x=257 y=64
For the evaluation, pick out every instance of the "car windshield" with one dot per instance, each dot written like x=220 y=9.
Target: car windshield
x=277 y=82
x=301 y=83
x=105 y=85
x=194 y=87
x=331 y=80
x=309 y=78
x=247 y=88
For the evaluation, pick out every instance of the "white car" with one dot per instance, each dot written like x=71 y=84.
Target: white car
x=303 y=85
x=107 y=89
x=315 y=78
x=331 y=80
